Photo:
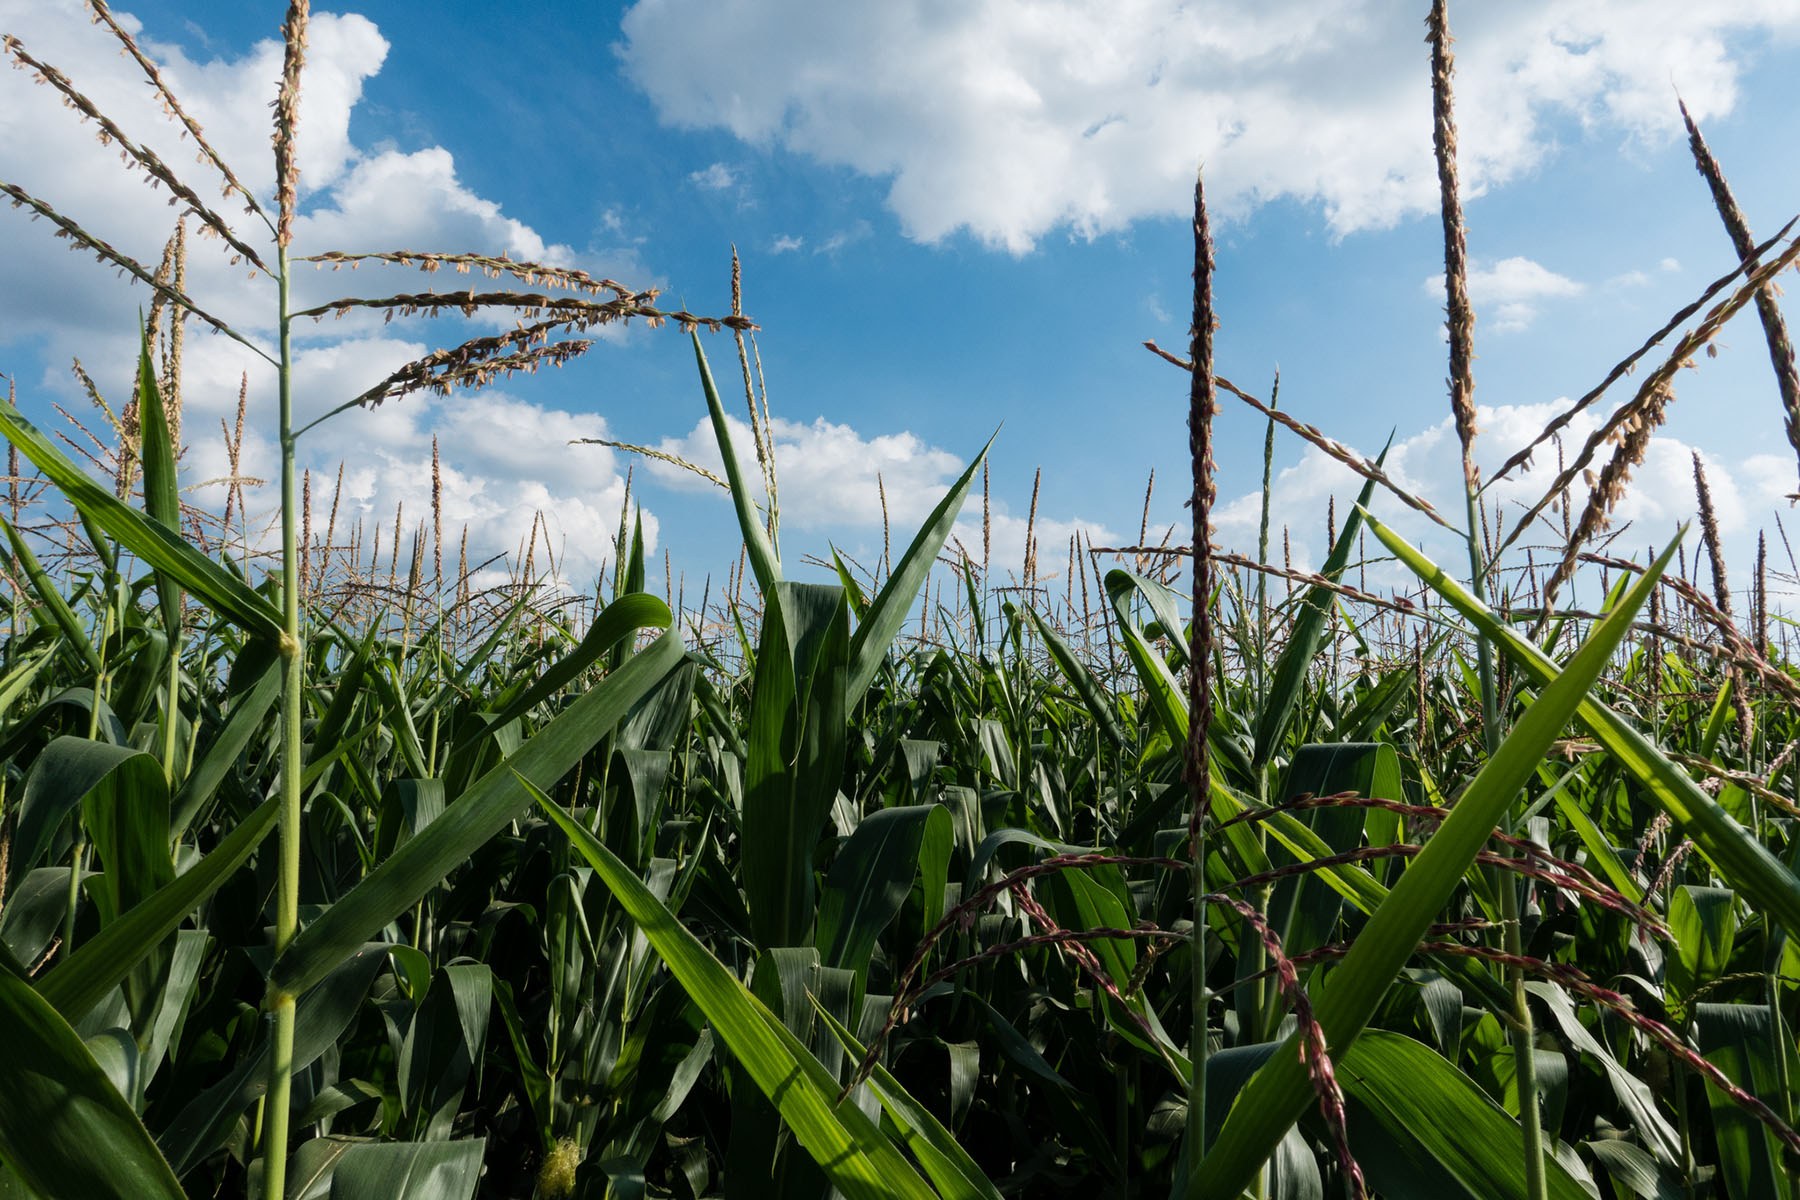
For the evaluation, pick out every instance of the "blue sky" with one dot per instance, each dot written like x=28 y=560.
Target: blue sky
x=951 y=218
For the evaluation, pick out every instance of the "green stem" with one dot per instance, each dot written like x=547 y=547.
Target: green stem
x=293 y=666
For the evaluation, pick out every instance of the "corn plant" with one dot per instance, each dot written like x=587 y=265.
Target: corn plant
x=1276 y=886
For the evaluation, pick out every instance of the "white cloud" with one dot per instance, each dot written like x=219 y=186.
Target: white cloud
x=1007 y=535
x=826 y=473
x=1012 y=119
x=845 y=237
x=716 y=178
x=787 y=243
x=1508 y=291
x=506 y=459
x=1428 y=464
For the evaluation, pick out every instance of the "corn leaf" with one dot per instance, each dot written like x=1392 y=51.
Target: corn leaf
x=157 y=546
x=64 y=1128
x=1744 y=862
x=493 y=801
x=1280 y=1091
x=876 y=629
x=765 y=561
x=852 y=1152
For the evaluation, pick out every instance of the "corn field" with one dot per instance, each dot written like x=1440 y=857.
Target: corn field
x=335 y=866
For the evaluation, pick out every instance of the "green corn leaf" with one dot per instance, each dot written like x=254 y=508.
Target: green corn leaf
x=1289 y=680
x=76 y=984
x=434 y=1170
x=765 y=561
x=162 y=490
x=321 y=1016
x=1736 y=1038
x=1280 y=1091
x=64 y=1128
x=493 y=801
x=629 y=613
x=51 y=598
x=852 y=1152
x=123 y=792
x=875 y=632
x=1099 y=706
x=1423 y=1130
x=1758 y=876
x=796 y=755
x=955 y=1174
x=158 y=547
x=1166 y=698
x=223 y=752
x=871 y=878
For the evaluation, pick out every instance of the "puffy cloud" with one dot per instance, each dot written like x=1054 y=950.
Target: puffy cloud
x=716 y=178
x=1428 y=465
x=1012 y=119
x=505 y=458
x=1509 y=291
x=828 y=475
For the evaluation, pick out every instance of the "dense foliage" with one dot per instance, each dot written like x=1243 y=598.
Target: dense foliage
x=848 y=886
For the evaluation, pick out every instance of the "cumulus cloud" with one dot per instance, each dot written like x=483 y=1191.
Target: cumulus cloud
x=830 y=478
x=1428 y=464
x=716 y=178
x=827 y=473
x=1012 y=119
x=505 y=458
x=1507 y=293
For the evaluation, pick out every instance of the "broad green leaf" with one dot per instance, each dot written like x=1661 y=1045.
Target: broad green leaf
x=495 y=800
x=436 y=1170
x=1735 y=1037
x=125 y=804
x=64 y=1128
x=765 y=561
x=1281 y=1091
x=1423 y=1130
x=1098 y=704
x=949 y=1166
x=311 y=1164
x=887 y=613
x=50 y=597
x=1165 y=696
x=852 y=1152
x=1704 y=921
x=796 y=757
x=160 y=549
x=1305 y=911
x=1633 y=1093
x=1304 y=639
x=1633 y=1171
x=444 y=1045
x=162 y=488
x=638 y=610
x=870 y=880
x=1745 y=863
x=74 y=985
x=224 y=750
x=320 y=1018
